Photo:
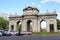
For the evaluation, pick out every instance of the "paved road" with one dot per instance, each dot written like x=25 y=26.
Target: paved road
x=32 y=37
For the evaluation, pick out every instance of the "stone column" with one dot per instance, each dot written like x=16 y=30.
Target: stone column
x=47 y=26
x=15 y=26
x=55 y=26
x=10 y=23
x=32 y=25
x=9 y=26
x=38 y=25
x=24 y=25
x=35 y=25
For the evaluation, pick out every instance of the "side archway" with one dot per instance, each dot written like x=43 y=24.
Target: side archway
x=12 y=27
x=43 y=26
x=51 y=27
x=29 y=25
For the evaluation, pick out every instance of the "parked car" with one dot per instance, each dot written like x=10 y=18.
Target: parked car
x=26 y=33
x=59 y=31
x=0 y=33
x=14 y=32
x=6 y=33
x=18 y=33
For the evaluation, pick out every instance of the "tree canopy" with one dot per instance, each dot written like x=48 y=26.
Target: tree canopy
x=58 y=24
x=3 y=23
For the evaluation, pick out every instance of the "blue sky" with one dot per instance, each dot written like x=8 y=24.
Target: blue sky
x=16 y=6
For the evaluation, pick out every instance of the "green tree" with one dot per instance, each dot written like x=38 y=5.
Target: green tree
x=3 y=23
x=20 y=26
x=58 y=24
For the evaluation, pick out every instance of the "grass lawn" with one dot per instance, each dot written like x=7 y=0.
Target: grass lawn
x=45 y=33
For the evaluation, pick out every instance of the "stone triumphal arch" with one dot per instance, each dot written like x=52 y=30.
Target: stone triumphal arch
x=31 y=20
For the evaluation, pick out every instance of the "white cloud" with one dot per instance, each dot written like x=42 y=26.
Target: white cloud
x=44 y=1
x=58 y=15
x=39 y=5
x=53 y=1
x=33 y=3
x=4 y=15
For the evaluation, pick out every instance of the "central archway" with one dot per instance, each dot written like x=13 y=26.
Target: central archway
x=43 y=26
x=29 y=25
